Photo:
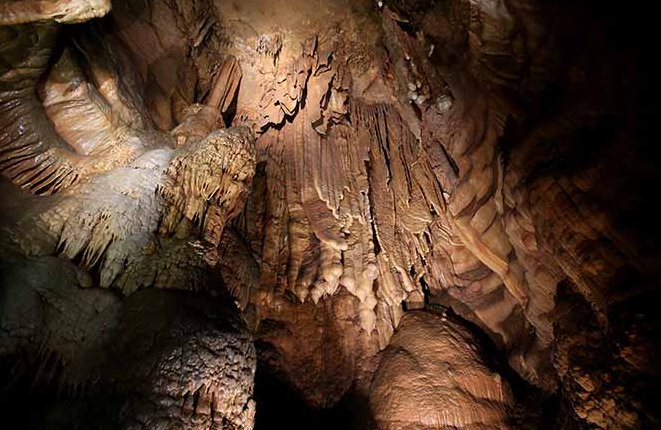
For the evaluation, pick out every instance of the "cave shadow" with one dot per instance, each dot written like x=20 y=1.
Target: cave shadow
x=279 y=406
x=29 y=407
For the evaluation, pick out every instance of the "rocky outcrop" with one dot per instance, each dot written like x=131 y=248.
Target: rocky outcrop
x=208 y=183
x=163 y=365
x=433 y=375
x=123 y=181
x=64 y=11
x=176 y=48
x=338 y=165
x=34 y=155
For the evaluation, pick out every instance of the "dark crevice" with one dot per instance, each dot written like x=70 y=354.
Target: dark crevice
x=279 y=406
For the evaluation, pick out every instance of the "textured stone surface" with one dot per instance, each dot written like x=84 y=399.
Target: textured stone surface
x=491 y=156
x=65 y=11
x=432 y=375
x=177 y=360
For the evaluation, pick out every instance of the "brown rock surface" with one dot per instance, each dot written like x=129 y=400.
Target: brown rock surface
x=337 y=164
x=433 y=375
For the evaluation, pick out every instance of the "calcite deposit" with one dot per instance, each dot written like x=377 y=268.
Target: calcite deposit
x=435 y=366
x=439 y=213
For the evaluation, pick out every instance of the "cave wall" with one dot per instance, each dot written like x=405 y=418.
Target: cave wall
x=489 y=143
x=489 y=156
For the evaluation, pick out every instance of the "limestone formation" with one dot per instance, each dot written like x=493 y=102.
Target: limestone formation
x=170 y=366
x=432 y=375
x=338 y=169
x=65 y=11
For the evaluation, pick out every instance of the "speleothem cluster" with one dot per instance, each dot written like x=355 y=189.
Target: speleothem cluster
x=413 y=203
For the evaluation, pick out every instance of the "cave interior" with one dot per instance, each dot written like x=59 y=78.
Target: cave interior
x=322 y=214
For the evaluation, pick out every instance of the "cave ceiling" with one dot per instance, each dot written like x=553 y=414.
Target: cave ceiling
x=434 y=207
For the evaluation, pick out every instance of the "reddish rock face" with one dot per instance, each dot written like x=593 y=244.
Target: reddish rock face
x=335 y=165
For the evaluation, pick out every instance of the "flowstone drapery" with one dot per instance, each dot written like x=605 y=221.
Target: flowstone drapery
x=339 y=170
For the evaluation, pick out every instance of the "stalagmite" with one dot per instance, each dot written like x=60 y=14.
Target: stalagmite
x=432 y=376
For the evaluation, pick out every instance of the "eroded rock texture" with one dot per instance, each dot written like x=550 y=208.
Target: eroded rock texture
x=164 y=360
x=432 y=376
x=133 y=210
x=334 y=165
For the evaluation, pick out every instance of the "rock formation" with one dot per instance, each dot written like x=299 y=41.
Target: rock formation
x=432 y=376
x=338 y=170
x=165 y=360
